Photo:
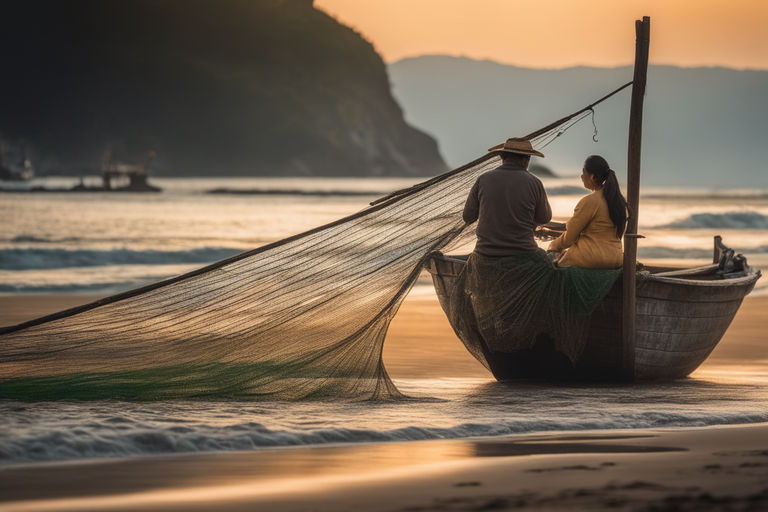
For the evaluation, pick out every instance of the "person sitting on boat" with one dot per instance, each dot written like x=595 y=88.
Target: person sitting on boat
x=510 y=294
x=508 y=203
x=592 y=238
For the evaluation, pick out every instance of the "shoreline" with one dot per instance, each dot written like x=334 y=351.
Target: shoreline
x=704 y=468
x=421 y=343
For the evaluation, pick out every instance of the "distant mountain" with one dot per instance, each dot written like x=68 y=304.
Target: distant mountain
x=231 y=87
x=702 y=126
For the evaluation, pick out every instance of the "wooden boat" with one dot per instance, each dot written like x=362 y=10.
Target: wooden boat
x=681 y=316
x=657 y=323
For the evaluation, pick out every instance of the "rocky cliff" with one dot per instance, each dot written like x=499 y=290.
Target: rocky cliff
x=232 y=87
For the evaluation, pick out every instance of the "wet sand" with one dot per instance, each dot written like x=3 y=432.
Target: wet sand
x=706 y=469
x=713 y=468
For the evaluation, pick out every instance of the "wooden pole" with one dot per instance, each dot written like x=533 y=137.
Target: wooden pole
x=642 y=33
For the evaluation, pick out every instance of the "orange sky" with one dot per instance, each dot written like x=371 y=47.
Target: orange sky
x=561 y=33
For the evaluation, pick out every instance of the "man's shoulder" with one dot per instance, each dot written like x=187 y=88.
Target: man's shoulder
x=502 y=173
x=533 y=178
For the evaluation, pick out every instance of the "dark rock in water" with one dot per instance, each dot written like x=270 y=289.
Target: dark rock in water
x=233 y=87
x=294 y=192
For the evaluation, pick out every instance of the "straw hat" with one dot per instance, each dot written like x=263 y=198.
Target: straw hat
x=519 y=146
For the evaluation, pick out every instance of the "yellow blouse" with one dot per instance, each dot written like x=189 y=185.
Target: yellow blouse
x=590 y=238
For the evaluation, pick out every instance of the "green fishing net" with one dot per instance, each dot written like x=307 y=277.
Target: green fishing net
x=511 y=301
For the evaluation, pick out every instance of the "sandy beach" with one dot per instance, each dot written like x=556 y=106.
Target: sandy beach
x=723 y=468
x=712 y=468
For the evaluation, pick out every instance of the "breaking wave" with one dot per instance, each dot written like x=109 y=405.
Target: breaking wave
x=440 y=408
x=690 y=253
x=119 y=436
x=20 y=239
x=295 y=192
x=37 y=259
x=101 y=288
x=729 y=220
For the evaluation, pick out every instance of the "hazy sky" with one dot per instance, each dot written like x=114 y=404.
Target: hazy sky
x=561 y=33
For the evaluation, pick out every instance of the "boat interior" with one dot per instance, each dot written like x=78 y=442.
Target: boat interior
x=726 y=265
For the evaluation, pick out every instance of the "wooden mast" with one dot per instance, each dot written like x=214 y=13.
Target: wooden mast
x=642 y=33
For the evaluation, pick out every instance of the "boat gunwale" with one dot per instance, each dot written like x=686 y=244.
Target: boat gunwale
x=751 y=277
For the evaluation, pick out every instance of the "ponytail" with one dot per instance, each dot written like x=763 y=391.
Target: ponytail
x=617 y=205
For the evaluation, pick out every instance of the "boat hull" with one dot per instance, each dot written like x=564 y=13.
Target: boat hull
x=681 y=317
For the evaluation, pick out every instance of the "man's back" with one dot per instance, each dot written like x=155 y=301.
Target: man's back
x=508 y=203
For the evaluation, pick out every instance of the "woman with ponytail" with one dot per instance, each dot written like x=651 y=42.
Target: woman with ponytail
x=592 y=238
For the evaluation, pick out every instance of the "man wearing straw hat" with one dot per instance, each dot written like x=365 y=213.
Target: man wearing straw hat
x=530 y=314
x=508 y=203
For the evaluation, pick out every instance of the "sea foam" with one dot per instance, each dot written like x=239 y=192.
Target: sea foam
x=438 y=409
x=36 y=259
x=121 y=440
x=728 y=220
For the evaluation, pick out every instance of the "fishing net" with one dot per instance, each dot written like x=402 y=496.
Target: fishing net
x=509 y=302
x=301 y=318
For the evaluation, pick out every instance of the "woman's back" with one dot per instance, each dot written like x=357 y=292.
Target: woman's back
x=590 y=236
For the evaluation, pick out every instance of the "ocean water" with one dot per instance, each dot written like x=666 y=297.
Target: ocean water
x=98 y=243
x=105 y=243
x=446 y=408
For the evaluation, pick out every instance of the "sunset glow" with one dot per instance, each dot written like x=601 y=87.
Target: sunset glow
x=562 y=33
x=258 y=255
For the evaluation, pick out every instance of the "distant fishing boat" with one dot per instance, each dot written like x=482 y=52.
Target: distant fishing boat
x=15 y=164
x=114 y=174
x=115 y=177
x=682 y=313
x=120 y=177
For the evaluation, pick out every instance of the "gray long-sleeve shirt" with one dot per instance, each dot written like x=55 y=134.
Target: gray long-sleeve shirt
x=508 y=203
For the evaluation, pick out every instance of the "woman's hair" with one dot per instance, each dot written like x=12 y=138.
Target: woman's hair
x=604 y=175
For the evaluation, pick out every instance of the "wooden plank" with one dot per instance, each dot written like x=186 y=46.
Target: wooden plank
x=688 y=272
x=642 y=39
x=656 y=373
x=690 y=339
x=683 y=325
x=679 y=342
x=687 y=309
x=673 y=359
x=715 y=291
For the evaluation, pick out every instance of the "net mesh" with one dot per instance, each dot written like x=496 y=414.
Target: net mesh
x=302 y=318
x=509 y=302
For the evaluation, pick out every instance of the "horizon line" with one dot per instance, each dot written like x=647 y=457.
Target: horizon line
x=561 y=68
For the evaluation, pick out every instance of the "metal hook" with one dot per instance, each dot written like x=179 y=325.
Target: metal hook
x=594 y=125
